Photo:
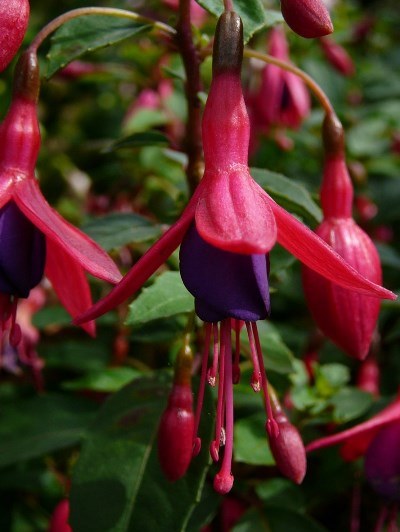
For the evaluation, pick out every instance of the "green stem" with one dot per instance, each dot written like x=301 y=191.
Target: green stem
x=74 y=13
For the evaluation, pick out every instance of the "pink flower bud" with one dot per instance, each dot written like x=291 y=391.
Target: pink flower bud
x=288 y=450
x=337 y=56
x=368 y=376
x=59 y=518
x=14 y=18
x=176 y=433
x=308 y=18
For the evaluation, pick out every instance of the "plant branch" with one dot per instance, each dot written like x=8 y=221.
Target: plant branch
x=74 y=13
x=191 y=60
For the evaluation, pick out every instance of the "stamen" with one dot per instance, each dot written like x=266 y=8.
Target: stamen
x=223 y=481
x=256 y=377
x=200 y=395
x=215 y=445
x=212 y=372
x=236 y=367
x=15 y=329
x=271 y=426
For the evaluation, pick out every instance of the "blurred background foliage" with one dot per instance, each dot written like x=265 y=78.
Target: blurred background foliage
x=120 y=177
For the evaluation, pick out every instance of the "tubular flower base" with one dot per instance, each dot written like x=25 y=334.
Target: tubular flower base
x=46 y=242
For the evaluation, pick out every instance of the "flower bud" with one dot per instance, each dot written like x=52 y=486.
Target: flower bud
x=337 y=56
x=368 y=376
x=176 y=433
x=14 y=18
x=382 y=462
x=287 y=447
x=59 y=518
x=228 y=44
x=307 y=18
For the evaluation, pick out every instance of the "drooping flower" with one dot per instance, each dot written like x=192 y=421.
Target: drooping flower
x=59 y=518
x=14 y=18
x=35 y=238
x=226 y=231
x=337 y=56
x=347 y=318
x=307 y=18
x=282 y=100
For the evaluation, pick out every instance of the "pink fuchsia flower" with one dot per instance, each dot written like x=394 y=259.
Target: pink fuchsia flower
x=59 y=518
x=307 y=18
x=226 y=231
x=282 y=100
x=14 y=18
x=378 y=440
x=347 y=318
x=337 y=56
x=36 y=239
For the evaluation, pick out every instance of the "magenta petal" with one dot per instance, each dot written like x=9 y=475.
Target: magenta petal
x=79 y=246
x=387 y=415
x=233 y=213
x=317 y=255
x=69 y=282
x=145 y=267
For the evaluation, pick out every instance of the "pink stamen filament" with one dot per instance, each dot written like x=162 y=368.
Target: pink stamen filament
x=200 y=395
x=212 y=372
x=236 y=367
x=215 y=445
x=224 y=479
x=272 y=426
x=256 y=378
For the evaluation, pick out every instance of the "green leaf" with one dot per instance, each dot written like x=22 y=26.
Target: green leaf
x=350 y=403
x=32 y=427
x=289 y=194
x=117 y=483
x=138 y=140
x=389 y=256
x=167 y=296
x=119 y=229
x=278 y=357
x=251 y=12
x=283 y=519
x=107 y=380
x=330 y=377
x=251 y=443
x=86 y=34
x=281 y=492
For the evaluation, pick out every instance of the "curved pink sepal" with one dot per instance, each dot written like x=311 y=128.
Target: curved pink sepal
x=233 y=213
x=145 y=267
x=387 y=415
x=79 y=246
x=312 y=251
x=69 y=282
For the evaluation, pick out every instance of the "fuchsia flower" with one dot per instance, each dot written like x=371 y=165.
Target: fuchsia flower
x=59 y=518
x=378 y=440
x=347 y=318
x=308 y=18
x=282 y=100
x=337 y=56
x=34 y=237
x=226 y=231
x=14 y=18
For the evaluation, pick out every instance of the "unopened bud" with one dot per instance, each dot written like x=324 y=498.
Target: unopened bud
x=176 y=433
x=307 y=18
x=26 y=77
x=59 y=518
x=337 y=56
x=14 y=18
x=368 y=376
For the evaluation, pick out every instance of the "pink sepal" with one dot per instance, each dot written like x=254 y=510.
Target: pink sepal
x=312 y=251
x=145 y=267
x=363 y=430
x=233 y=213
x=69 y=282
x=76 y=244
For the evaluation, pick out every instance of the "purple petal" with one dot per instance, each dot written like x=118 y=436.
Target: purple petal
x=225 y=284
